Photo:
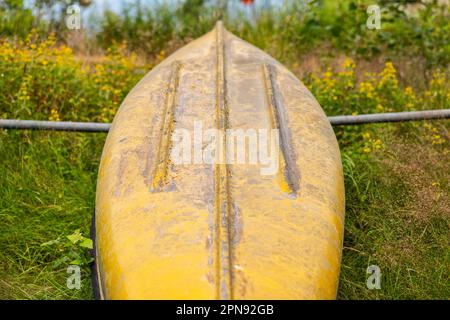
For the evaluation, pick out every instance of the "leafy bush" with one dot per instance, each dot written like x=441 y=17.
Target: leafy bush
x=44 y=80
x=341 y=92
x=15 y=19
x=294 y=29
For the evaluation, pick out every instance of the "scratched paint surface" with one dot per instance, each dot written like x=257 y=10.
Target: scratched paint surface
x=200 y=231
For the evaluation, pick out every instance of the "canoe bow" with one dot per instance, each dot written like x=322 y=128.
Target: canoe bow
x=193 y=230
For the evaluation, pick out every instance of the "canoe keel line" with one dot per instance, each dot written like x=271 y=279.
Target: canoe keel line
x=166 y=230
x=223 y=211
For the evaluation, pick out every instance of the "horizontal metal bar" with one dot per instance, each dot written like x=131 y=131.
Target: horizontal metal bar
x=55 y=125
x=389 y=117
x=334 y=120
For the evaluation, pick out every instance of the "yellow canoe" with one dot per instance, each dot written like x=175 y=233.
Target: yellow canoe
x=194 y=229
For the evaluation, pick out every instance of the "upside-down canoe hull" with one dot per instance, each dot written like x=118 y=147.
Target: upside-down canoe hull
x=219 y=231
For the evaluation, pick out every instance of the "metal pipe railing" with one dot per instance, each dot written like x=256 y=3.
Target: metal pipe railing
x=334 y=120
x=54 y=125
x=389 y=117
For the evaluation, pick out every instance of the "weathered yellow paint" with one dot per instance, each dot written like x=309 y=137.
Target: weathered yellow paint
x=222 y=231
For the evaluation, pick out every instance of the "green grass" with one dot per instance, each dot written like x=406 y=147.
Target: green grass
x=48 y=189
x=397 y=218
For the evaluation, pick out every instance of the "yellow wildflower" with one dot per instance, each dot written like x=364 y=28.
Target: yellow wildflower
x=349 y=63
x=377 y=144
x=388 y=75
x=54 y=115
x=367 y=89
x=409 y=92
x=438 y=78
